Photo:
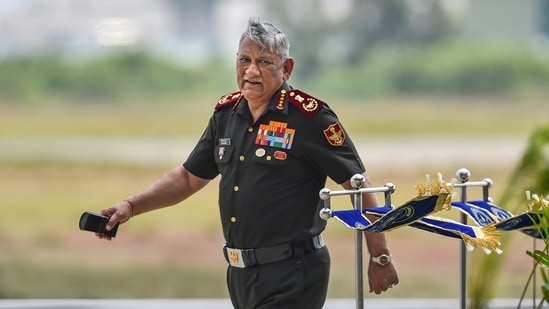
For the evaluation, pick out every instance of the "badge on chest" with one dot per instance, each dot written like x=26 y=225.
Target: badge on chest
x=223 y=144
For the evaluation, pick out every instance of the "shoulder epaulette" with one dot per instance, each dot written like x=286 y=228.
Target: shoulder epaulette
x=228 y=100
x=304 y=102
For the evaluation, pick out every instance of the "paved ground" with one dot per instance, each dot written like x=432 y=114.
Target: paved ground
x=375 y=150
x=225 y=304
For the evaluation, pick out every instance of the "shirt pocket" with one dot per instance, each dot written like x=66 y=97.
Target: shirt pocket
x=223 y=154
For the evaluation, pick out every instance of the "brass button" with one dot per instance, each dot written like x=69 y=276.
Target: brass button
x=241 y=158
x=235 y=188
x=250 y=129
x=233 y=219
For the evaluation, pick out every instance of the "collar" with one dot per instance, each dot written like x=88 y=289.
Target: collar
x=277 y=103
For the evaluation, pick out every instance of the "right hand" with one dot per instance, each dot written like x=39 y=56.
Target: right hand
x=121 y=212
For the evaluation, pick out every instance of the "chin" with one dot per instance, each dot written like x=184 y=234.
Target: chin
x=248 y=93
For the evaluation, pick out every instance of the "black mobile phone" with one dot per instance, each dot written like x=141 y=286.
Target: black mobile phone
x=96 y=223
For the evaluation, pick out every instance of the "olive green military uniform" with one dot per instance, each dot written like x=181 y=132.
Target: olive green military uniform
x=271 y=174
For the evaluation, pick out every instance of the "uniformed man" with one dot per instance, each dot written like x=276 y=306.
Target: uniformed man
x=274 y=147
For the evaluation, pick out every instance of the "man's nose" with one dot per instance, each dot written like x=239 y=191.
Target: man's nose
x=252 y=69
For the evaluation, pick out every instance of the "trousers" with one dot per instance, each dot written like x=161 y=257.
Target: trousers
x=299 y=282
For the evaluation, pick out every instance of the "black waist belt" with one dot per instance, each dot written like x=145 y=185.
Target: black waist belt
x=242 y=258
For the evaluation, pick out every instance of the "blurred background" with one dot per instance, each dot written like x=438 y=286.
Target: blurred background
x=100 y=98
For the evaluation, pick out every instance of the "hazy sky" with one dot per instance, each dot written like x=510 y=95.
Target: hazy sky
x=9 y=6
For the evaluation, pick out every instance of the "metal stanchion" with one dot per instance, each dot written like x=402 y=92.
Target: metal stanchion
x=463 y=175
x=357 y=182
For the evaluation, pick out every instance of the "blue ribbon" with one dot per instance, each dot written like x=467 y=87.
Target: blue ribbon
x=391 y=218
x=415 y=213
x=484 y=213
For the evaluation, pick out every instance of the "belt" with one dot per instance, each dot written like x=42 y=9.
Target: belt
x=243 y=258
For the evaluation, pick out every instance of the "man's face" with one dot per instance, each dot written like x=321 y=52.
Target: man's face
x=260 y=72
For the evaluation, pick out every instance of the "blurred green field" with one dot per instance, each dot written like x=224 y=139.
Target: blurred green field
x=187 y=118
x=175 y=252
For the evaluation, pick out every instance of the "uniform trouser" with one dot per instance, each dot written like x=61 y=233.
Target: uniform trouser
x=300 y=282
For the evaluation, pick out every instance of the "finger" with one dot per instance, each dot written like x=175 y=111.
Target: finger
x=376 y=290
x=102 y=236
x=113 y=220
x=107 y=212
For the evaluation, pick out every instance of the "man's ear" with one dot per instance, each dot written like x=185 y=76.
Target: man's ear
x=288 y=68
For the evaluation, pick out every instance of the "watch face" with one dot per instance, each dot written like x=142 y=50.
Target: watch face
x=383 y=259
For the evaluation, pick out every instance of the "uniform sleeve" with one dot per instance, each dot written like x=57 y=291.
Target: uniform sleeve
x=331 y=149
x=201 y=161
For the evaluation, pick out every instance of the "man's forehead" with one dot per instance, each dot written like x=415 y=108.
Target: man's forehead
x=249 y=46
x=257 y=54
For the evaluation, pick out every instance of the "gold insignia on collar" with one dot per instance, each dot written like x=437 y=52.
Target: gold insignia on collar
x=304 y=102
x=229 y=99
x=298 y=98
x=311 y=105
x=224 y=99
x=280 y=104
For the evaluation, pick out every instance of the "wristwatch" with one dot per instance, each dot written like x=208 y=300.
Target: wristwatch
x=382 y=260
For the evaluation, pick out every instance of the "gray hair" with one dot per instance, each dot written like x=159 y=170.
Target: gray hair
x=268 y=36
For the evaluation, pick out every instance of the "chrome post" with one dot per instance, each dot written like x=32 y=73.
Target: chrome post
x=463 y=175
x=357 y=182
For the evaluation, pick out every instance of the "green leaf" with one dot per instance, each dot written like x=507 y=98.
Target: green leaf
x=540 y=257
x=543 y=273
x=545 y=291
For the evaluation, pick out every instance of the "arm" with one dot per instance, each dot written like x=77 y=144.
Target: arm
x=172 y=188
x=380 y=277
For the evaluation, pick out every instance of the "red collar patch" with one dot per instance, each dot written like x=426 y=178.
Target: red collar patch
x=304 y=102
x=228 y=99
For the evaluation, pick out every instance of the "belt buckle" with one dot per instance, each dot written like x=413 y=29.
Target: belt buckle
x=318 y=242
x=235 y=257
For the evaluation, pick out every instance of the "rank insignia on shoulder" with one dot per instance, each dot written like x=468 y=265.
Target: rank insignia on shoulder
x=335 y=134
x=229 y=100
x=304 y=102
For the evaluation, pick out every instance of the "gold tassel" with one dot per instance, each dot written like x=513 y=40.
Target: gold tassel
x=487 y=237
x=437 y=187
x=535 y=202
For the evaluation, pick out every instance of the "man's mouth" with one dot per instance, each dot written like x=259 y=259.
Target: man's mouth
x=252 y=81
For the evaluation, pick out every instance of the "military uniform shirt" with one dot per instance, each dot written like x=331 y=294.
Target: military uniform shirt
x=272 y=170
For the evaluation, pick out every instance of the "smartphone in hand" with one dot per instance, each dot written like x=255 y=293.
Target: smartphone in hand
x=96 y=223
